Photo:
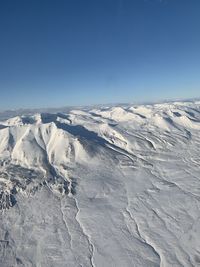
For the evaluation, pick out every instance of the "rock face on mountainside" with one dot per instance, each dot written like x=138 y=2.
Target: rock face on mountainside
x=115 y=186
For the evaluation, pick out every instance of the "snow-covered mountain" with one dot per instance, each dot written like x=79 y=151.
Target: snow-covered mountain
x=114 y=186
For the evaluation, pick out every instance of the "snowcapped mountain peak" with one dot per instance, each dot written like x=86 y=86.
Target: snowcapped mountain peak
x=132 y=168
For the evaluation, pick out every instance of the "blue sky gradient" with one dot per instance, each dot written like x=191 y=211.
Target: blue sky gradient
x=75 y=52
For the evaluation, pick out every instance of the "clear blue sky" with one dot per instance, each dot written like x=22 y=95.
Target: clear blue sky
x=77 y=52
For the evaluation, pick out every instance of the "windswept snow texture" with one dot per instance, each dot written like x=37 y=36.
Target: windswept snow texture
x=104 y=187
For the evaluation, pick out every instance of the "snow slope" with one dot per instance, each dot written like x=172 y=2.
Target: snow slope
x=116 y=186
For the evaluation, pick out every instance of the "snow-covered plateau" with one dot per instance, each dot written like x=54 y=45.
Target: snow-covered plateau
x=106 y=187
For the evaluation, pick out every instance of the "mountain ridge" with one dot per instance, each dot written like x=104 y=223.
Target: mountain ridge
x=118 y=173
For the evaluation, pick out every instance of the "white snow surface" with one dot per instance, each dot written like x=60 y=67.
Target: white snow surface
x=103 y=187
